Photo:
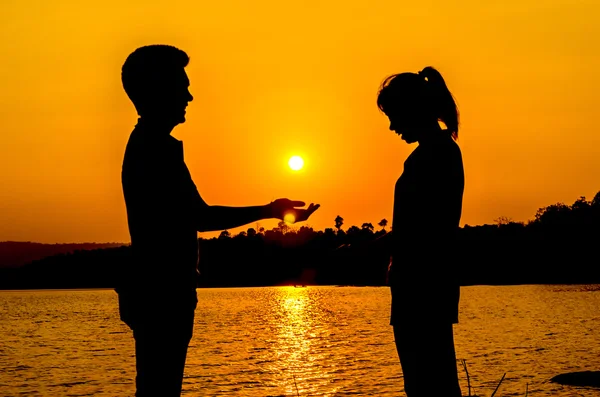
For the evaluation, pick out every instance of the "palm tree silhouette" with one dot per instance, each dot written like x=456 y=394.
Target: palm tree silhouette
x=339 y=221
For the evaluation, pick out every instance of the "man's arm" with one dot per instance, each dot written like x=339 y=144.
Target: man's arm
x=216 y=217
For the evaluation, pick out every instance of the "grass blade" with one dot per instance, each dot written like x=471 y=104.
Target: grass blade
x=497 y=387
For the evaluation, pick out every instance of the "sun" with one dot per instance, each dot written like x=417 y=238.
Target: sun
x=296 y=163
x=289 y=218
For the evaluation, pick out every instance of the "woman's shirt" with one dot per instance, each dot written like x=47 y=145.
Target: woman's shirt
x=427 y=210
x=428 y=195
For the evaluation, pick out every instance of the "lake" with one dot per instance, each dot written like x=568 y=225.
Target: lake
x=287 y=341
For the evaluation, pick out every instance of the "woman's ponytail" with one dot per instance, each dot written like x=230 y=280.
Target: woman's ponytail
x=440 y=98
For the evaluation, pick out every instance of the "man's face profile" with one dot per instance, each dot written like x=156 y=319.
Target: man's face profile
x=171 y=96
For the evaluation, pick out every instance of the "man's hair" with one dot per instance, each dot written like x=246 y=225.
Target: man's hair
x=149 y=66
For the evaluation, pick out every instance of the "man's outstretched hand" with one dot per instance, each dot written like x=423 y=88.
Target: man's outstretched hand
x=283 y=208
x=301 y=214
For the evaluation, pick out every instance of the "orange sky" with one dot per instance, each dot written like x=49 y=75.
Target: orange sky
x=272 y=79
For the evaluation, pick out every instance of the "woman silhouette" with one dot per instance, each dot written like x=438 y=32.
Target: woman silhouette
x=427 y=209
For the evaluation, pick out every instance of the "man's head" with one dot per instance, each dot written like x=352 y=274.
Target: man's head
x=154 y=79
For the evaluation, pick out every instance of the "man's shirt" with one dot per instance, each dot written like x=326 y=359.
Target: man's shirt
x=163 y=206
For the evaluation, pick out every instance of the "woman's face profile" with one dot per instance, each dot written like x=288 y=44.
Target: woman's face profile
x=405 y=125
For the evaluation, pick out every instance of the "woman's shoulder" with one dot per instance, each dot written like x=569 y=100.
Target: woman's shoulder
x=443 y=149
x=443 y=159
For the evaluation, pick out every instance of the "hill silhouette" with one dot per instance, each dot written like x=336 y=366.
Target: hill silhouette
x=557 y=246
x=18 y=253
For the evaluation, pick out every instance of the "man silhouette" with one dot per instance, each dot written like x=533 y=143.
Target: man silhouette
x=157 y=292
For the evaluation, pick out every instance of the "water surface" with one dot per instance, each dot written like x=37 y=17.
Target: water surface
x=286 y=341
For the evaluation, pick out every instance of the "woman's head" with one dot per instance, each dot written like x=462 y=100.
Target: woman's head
x=416 y=102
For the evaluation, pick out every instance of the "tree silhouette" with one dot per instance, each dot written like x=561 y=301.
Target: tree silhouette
x=339 y=221
x=283 y=227
x=353 y=230
x=368 y=226
x=503 y=220
x=596 y=200
x=383 y=223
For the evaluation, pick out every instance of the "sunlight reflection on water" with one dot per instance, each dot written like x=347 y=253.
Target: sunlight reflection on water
x=287 y=341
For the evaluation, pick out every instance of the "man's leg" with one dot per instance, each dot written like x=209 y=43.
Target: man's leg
x=162 y=332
